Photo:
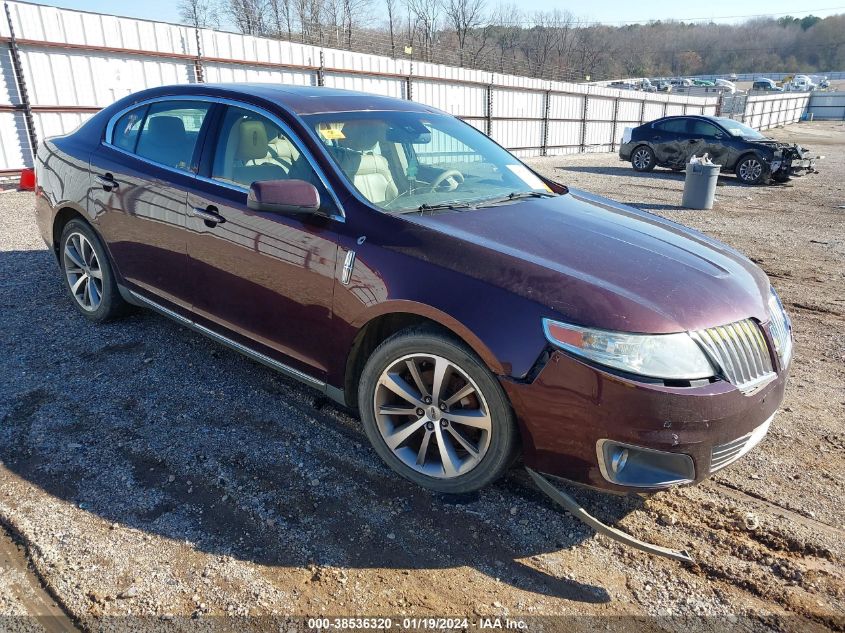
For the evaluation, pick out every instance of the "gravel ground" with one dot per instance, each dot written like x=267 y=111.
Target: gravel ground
x=151 y=473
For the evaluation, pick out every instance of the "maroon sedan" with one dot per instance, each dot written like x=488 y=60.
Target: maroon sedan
x=398 y=260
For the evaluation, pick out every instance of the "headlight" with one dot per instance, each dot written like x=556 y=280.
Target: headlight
x=669 y=356
x=781 y=328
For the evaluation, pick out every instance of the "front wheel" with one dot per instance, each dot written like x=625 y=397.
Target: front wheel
x=643 y=158
x=750 y=170
x=435 y=414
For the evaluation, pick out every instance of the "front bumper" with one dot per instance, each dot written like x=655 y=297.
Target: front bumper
x=571 y=406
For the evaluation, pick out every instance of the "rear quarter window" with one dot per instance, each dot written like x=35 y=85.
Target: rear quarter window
x=675 y=126
x=125 y=132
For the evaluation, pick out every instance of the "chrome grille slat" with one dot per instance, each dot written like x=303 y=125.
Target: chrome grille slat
x=743 y=348
x=723 y=454
x=740 y=352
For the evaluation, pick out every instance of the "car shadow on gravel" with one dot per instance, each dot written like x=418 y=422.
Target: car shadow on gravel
x=151 y=426
x=725 y=179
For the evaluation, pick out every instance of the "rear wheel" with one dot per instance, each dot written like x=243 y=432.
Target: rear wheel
x=88 y=274
x=435 y=414
x=750 y=170
x=642 y=159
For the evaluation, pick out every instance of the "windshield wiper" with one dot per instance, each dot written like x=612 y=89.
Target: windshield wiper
x=444 y=205
x=518 y=195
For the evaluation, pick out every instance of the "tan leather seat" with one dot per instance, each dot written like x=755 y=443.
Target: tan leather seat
x=369 y=172
x=247 y=158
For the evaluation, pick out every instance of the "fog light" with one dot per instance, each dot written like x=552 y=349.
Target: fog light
x=619 y=459
x=640 y=467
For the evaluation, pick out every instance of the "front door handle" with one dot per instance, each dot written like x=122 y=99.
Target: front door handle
x=209 y=215
x=106 y=181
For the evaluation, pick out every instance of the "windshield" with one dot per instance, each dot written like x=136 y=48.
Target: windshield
x=413 y=161
x=735 y=128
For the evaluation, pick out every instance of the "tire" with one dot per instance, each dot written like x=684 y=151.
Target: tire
x=476 y=433
x=643 y=159
x=88 y=274
x=751 y=171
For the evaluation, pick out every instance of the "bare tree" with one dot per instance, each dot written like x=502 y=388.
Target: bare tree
x=391 y=24
x=427 y=16
x=249 y=16
x=464 y=16
x=280 y=11
x=538 y=43
x=507 y=30
x=199 y=13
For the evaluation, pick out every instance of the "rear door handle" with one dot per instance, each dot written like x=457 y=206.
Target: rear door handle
x=106 y=181
x=209 y=215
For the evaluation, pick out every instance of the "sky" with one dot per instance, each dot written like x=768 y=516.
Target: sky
x=606 y=11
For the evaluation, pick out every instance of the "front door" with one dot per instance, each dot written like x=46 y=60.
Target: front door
x=262 y=279
x=141 y=174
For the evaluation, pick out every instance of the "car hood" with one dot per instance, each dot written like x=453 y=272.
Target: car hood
x=597 y=263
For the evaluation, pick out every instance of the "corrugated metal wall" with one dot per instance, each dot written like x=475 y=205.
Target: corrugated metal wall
x=75 y=63
x=827 y=105
x=767 y=111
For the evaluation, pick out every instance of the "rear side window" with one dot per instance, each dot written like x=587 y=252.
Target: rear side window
x=125 y=133
x=676 y=126
x=170 y=132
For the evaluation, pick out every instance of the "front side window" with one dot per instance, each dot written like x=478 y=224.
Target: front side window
x=170 y=132
x=404 y=161
x=703 y=128
x=251 y=147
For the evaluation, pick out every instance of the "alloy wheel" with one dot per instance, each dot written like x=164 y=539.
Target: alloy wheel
x=432 y=415
x=83 y=272
x=750 y=169
x=642 y=158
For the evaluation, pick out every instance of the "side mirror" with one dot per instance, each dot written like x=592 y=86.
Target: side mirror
x=283 y=196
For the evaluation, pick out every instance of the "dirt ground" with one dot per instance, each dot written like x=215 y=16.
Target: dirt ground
x=150 y=477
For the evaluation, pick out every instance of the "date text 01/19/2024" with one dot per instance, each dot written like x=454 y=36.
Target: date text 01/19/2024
x=436 y=624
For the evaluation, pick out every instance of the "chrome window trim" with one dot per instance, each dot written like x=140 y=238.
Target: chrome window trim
x=243 y=349
x=292 y=137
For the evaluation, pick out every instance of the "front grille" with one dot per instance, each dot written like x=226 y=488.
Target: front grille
x=724 y=454
x=740 y=351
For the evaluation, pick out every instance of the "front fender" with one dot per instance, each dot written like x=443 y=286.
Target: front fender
x=438 y=316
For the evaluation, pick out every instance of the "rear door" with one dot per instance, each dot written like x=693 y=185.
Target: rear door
x=264 y=280
x=670 y=140
x=140 y=180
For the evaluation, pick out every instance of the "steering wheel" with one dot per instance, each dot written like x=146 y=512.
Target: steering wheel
x=456 y=177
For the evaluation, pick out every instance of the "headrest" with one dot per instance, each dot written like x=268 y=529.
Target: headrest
x=372 y=164
x=362 y=135
x=252 y=140
x=170 y=129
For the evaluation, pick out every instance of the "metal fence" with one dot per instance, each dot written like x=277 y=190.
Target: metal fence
x=763 y=112
x=827 y=106
x=62 y=65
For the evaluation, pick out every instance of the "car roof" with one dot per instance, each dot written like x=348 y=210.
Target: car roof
x=297 y=99
x=705 y=117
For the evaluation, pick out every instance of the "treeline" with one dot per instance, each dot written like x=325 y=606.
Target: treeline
x=548 y=44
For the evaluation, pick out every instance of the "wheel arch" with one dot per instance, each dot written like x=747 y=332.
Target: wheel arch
x=747 y=153
x=65 y=214
x=376 y=327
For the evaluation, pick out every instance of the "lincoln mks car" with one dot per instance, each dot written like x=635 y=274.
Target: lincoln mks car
x=396 y=259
